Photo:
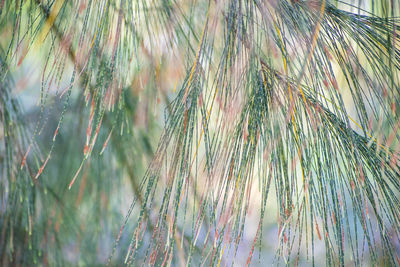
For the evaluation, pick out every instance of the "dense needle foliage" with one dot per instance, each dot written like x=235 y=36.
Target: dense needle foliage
x=175 y=132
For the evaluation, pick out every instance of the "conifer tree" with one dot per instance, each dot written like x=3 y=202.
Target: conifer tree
x=176 y=132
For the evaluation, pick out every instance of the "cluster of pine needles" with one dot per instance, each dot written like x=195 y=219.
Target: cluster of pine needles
x=214 y=117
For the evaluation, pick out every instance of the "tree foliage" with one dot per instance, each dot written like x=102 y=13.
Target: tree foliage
x=263 y=110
